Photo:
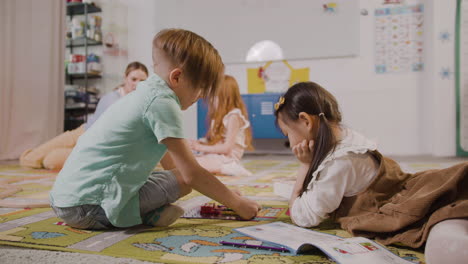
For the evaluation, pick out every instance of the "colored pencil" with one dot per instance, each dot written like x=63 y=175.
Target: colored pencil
x=242 y=245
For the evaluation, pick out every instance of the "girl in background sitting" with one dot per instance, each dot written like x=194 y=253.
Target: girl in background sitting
x=229 y=134
x=52 y=154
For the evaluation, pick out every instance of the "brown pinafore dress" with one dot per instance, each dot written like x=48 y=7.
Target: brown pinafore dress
x=402 y=207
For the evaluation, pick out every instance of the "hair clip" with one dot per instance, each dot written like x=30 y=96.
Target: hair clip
x=321 y=114
x=279 y=103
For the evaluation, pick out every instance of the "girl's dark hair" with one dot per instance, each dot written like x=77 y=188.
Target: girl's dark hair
x=312 y=99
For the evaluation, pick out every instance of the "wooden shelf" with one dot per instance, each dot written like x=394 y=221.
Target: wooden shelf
x=80 y=42
x=79 y=8
x=82 y=76
x=80 y=106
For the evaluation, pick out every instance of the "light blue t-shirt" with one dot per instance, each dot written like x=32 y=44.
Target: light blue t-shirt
x=113 y=158
x=107 y=100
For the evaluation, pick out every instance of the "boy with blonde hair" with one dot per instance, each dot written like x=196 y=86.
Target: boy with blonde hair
x=108 y=181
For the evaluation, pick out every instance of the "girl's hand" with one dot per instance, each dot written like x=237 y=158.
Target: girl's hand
x=303 y=151
x=193 y=144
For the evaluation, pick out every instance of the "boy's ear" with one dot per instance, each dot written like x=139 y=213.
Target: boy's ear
x=307 y=120
x=175 y=77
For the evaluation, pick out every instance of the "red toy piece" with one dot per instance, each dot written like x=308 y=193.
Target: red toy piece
x=210 y=209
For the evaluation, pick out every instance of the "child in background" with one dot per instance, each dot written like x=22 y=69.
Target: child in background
x=108 y=181
x=229 y=134
x=52 y=154
x=342 y=176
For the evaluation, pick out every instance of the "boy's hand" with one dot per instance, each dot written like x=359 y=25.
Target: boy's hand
x=247 y=209
x=303 y=151
x=196 y=177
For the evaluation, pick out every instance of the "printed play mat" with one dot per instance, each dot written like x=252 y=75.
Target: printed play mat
x=190 y=240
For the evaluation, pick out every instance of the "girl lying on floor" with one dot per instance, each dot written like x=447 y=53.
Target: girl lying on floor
x=343 y=176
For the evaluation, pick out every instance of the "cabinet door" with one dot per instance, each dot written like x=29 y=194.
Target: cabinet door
x=202 y=125
x=262 y=115
x=260 y=108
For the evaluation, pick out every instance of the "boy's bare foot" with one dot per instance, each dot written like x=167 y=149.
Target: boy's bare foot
x=164 y=216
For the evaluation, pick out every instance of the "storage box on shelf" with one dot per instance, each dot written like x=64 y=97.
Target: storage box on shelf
x=79 y=103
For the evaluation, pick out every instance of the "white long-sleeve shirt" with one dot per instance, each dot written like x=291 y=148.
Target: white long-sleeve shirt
x=347 y=171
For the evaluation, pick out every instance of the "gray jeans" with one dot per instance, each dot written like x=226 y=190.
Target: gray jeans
x=160 y=189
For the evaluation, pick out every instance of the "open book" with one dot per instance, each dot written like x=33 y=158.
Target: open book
x=342 y=250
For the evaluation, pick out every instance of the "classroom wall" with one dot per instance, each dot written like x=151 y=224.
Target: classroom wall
x=406 y=113
x=140 y=37
x=438 y=110
x=114 y=60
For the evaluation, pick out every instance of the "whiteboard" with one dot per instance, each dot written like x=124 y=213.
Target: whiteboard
x=302 y=28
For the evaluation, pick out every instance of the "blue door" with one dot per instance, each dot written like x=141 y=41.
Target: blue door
x=202 y=112
x=260 y=108
x=262 y=115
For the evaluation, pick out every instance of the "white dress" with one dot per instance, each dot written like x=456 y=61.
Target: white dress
x=230 y=163
x=344 y=173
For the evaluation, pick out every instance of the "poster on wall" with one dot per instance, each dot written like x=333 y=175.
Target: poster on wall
x=275 y=77
x=399 y=39
x=461 y=72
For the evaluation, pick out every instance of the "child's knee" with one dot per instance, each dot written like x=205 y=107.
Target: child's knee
x=183 y=186
x=161 y=188
x=185 y=190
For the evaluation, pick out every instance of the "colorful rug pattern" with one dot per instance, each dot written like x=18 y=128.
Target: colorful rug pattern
x=187 y=241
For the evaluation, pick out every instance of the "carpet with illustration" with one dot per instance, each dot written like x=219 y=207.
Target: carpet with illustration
x=187 y=241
